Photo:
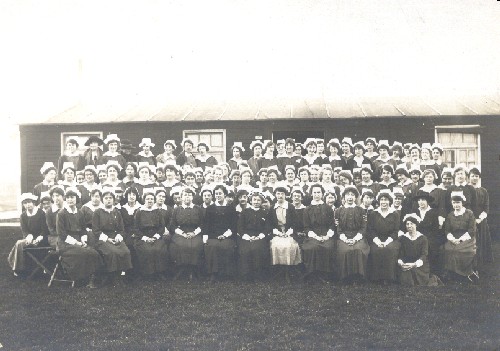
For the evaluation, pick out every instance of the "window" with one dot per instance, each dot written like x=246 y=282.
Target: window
x=461 y=144
x=214 y=138
x=80 y=137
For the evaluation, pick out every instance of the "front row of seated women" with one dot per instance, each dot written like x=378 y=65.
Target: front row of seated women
x=350 y=242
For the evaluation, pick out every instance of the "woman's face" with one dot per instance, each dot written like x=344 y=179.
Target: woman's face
x=436 y=154
x=146 y=149
x=236 y=152
x=314 y=175
x=159 y=174
x=28 y=205
x=369 y=146
x=346 y=149
x=112 y=173
x=311 y=149
x=366 y=176
x=397 y=201
x=103 y=176
x=447 y=180
x=176 y=198
x=169 y=174
x=414 y=153
x=96 y=198
x=71 y=200
x=367 y=200
x=460 y=176
x=406 y=152
x=422 y=203
x=425 y=154
x=263 y=177
x=57 y=198
x=350 y=197
x=384 y=202
x=93 y=146
x=51 y=175
x=383 y=152
x=428 y=179
x=69 y=175
x=188 y=147
x=209 y=177
x=218 y=176
x=202 y=150
x=132 y=198
x=89 y=177
x=317 y=193
x=257 y=150
x=290 y=175
x=329 y=199
x=304 y=176
x=149 y=200
x=219 y=196
x=474 y=178
x=358 y=151
x=256 y=201
x=386 y=175
x=270 y=149
x=411 y=227
x=281 y=148
x=189 y=179
x=327 y=176
x=344 y=180
x=401 y=177
x=129 y=171
x=457 y=205
x=415 y=177
x=333 y=150
x=144 y=173
x=272 y=177
x=113 y=146
x=160 y=198
x=289 y=148
x=71 y=147
x=246 y=178
x=320 y=148
x=266 y=204
x=297 y=197
x=168 y=149
x=108 y=200
x=242 y=200
x=207 y=197
x=187 y=197
x=80 y=178
x=395 y=153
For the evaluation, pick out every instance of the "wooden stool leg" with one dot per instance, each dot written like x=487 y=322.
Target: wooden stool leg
x=53 y=274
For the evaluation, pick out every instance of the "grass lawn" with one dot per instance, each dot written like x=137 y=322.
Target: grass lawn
x=267 y=315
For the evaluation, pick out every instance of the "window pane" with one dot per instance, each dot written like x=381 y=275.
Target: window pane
x=456 y=138
x=462 y=156
x=469 y=138
x=216 y=140
x=449 y=156
x=444 y=138
x=472 y=156
x=205 y=138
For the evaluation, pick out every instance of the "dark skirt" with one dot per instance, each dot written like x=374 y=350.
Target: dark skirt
x=220 y=256
x=186 y=251
x=418 y=276
x=351 y=260
x=460 y=258
x=435 y=255
x=79 y=262
x=319 y=256
x=253 y=255
x=484 y=253
x=151 y=257
x=383 y=261
x=116 y=257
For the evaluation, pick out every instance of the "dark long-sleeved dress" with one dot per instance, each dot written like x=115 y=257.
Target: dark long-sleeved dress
x=152 y=257
x=351 y=260
x=411 y=251
x=79 y=262
x=253 y=255
x=220 y=255
x=383 y=260
x=429 y=227
x=483 y=238
x=35 y=225
x=117 y=256
x=51 y=220
x=182 y=250
x=319 y=256
x=460 y=258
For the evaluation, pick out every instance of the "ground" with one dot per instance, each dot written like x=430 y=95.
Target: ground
x=269 y=315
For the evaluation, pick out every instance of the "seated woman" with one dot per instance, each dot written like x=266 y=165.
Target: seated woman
x=253 y=246
x=113 y=168
x=49 y=173
x=412 y=258
x=68 y=172
x=382 y=234
x=168 y=157
x=460 y=230
x=352 y=248
x=108 y=230
x=89 y=183
x=171 y=174
x=285 y=251
x=149 y=245
x=319 y=225
x=186 y=248
x=219 y=229
x=78 y=259
x=88 y=210
x=34 y=230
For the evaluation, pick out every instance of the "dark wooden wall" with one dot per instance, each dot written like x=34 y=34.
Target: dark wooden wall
x=40 y=143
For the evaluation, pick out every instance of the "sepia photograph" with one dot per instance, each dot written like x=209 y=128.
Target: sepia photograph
x=250 y=175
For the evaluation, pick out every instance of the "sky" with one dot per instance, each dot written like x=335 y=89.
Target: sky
x=112 y=54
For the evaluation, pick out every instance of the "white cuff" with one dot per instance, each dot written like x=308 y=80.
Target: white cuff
x=388 y=241
x=157 y=236
x=289 y=231
x=70 y=240
x=441 y=220
x=197 y=231
x=401 y=233
x=358 y=237
x=262 y=236
x=178 y=231
x=464 y=237
x=419 y=263
x=39 y=238
x=205 y=239
x=228 y=233
x=450 y=237
x=377 y=241
x=119 y=238
x=276 y=231
x=144 y=238
x=84 y=238
x=330 y=233
x=400 y=262
x=343 y=237
x=103 y=237
x=245 y=237
x=311 y=234
x=483 y=215
x=29 y=237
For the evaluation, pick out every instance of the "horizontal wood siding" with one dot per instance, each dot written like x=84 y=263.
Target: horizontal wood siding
x=40 y=143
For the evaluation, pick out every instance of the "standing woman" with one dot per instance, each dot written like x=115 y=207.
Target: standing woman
x=253 y=246
x=347 y=155
x=34 y=230
x=436 y=194
x=144 y=181
x=203 y=159
x=72 y=155
x=49 y=174
x=319 y=225
x=130 y=174
x=108 y=231
x=334 y=147
x=237 y=150
x=387 y=177
x=128 y=211
x=186 y=248
x=426 y=161
x=112 y=142
x=186 y=156
x=167 y=157
x=79 y=260
x=268 y=159
x=460 y=230
x=371 y=148
x=382 y=233
x=68 y=172
x=352 y=248
x=113 y=168
x=93 y=153
x=254 y=162
x=149 y=244
x=89 y=184
x=219 y=229
x=460 y=174
x=171 y=173
x=146 y=155
x=484 y=253
x=412 y=259
x=311 y=157
x=285 y=250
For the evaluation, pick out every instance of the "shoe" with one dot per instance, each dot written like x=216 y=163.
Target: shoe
x=91 y=284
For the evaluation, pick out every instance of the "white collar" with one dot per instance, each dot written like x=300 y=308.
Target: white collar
x=110 y=210
x=349 y=206
x=407 y=182
x=464 y=183
x=314 y=202
x=461 y=212
x=44 y=182
x=371 y=154
x=168 y=184
x=268 y=157
x=202 y=158
x=428 y=188
x=239 y=160
x=131 y=210
x=284 y=205
x=391 y=181
x=366 y=208
x=66 y=207
x=145 y=208
x=310 y=159
x=367 y=184
x=301 y=206
x=205 y=205
x=383 y=160
x=389 y=211
x=144 y=182
x=334 y=158
x=190 y=206
x=92 y=207
x=54 y=208
x=406 y=234
x=423 y=212
x=162 y=207
x=427 y=163
x=67 y=153
x=224 y=203
x=168 y=157
x=113 y=184
x=142 y=153
x=254 y=208
x=111 y=154
x=89 y=187
x=35 y=211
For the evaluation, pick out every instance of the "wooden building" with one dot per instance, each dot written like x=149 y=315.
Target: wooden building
x=469 y=130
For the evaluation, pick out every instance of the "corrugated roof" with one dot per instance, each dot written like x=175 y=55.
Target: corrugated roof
x=279 y=110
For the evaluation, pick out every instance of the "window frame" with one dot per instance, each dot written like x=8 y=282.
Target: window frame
x=79 y=135
x=201 y=131
x=470 y=129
